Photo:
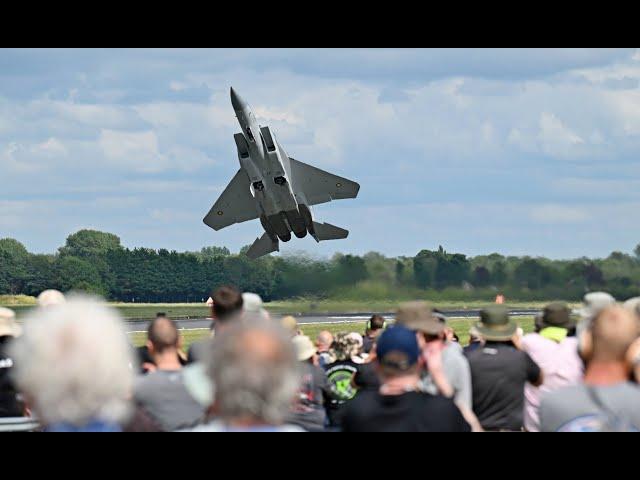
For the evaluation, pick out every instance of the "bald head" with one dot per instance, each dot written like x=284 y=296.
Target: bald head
x=613 y=331
x=163 y=334
x=324 y=340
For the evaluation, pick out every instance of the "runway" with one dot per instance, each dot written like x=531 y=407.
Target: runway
x=204 y=323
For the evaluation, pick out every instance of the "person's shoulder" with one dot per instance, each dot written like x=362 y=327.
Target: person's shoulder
x=562 y=395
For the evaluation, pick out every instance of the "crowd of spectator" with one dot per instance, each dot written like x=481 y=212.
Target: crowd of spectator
x=70 y=367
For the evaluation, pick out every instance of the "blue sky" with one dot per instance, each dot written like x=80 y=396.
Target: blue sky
x=480 y=150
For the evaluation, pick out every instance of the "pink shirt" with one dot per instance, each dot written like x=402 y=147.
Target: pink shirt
x=560 y=365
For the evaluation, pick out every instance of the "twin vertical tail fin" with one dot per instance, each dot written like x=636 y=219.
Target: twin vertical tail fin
x=263 y=246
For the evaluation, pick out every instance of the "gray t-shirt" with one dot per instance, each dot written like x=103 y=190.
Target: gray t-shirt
x=163 y=396
x=456 y=369
x=574 y=409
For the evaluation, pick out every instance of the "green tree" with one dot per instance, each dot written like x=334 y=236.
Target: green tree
x=532 y=274
x=90 y=244
x=74 y=273
x=499 y=274
x=13 y=266
x=481 y=276
x=636 y=251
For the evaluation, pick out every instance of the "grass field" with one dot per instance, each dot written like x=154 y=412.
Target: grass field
x=295 y=307
x=461 y=327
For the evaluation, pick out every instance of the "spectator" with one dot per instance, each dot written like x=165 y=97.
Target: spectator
x=50 y=298
x=633 y=306
x=375 y=326
x=324 y=340
x=73 y=365
x=290 y=324
x=556 y=353
x=499 y=372
x=398 y=405
x=592 y=304
x=340 y=374
x=607 y=400
x=10 y=404
x=252 y=304
x=227 y=305
x=254 y=369
x=475 y=341
x=162 y=393
x=145 y=358
x=417 y=316
x=308 y=411
x=366 y=378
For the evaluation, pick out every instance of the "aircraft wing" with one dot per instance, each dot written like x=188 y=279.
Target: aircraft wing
x=319 y=186
x=235 y=205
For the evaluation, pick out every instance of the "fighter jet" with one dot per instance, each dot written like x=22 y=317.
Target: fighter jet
x=276 y=188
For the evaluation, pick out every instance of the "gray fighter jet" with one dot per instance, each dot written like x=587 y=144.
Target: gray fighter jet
x=276 y=188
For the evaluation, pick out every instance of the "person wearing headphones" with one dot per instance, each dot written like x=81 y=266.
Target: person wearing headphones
x=607 y=400
x=375 y=326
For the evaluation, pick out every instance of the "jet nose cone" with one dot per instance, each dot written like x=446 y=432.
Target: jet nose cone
x=236 y=100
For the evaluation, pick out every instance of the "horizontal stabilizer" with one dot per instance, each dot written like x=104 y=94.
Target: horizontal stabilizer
x=263 y=246
x=326 y=231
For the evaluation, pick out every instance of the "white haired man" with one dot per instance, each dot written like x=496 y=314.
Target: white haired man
x=256 y=376
x=73 y=366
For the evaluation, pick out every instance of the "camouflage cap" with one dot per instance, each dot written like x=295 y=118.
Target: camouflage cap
x=345 y=346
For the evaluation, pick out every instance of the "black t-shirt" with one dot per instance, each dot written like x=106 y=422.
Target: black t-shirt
x=366 y=378
x=367 y=343
x=10 y=406
x=498 y=374
x=145 y=357
x=409 y=412
x=340 y=390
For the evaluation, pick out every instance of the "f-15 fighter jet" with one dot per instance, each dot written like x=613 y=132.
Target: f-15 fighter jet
x=276 y=188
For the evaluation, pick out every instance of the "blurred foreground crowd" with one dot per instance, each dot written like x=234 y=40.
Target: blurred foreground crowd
x=72 y=368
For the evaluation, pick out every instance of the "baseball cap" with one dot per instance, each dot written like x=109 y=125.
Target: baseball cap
x=398 y=348
x=8 y=325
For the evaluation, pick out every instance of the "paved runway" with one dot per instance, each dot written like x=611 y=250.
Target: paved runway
x=203 y=323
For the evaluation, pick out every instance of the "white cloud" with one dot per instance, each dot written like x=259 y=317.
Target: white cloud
x=556 y=138
x=138 y=150
x=558 y=214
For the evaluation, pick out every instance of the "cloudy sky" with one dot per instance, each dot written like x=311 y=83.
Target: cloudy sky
x=516 y=151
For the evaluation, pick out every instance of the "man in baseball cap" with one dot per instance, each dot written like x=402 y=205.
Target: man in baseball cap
x=10 y=406
x=398 y=405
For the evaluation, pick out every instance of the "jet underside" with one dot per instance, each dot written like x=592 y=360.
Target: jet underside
x=276 y=189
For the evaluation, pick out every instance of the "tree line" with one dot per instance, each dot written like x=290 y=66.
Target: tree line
x=96 y=262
